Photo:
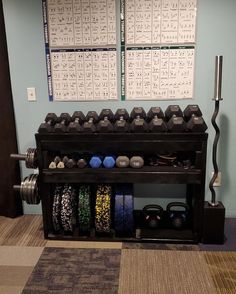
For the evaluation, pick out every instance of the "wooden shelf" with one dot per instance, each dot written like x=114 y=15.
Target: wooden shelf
x=125 y=175
x=130 y=144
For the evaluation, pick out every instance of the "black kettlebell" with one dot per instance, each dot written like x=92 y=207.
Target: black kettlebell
x=152 y=215
x=177 y=218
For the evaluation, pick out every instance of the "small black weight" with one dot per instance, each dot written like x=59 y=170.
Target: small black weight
x=177 y=218
x=152 y=215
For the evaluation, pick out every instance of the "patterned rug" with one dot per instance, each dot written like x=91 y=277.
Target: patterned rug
x=126 y=271
x=66 y=270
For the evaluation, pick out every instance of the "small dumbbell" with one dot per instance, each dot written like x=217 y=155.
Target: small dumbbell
x=89 y=125
x=70 y=163
x=138 y=124
x=95 y=161
x=122 y=161
x=54 y=163
x=136 y=162
x=174 y=117
x=195 y=121
x=75 y=126
x=81 y=163
x=48 y=125
x=30 y=158
x=121 y=125
x=109 y=162
x=63 y=121
x=155 y=116
x=105 y=121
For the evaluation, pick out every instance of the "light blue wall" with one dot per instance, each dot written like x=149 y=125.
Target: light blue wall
x=216 y=30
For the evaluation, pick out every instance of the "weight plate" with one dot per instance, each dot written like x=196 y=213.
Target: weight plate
x=22 y=187
x=28 y=188
x=35 y=190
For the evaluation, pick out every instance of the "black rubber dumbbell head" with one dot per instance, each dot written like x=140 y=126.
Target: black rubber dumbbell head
x=106 y=113
x=195 y=121
x=89 y=125
x=64 y=120
x=192 y=110
x=137 y=112
x=106 y=118
x=155 y=112
x=155 y=117
x=75 y=126
x=138 y=124
x=48 y=126
x=174 y=116
x=121 y=116
x=173 y=110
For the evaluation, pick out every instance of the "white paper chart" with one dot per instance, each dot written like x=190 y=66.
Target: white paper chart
x=158 y=49
x=160 y=21
x=89 y=74
x=81 y=22
x=154 y=73
x=80 y=42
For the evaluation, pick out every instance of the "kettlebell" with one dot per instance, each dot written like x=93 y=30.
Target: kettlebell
x=177 y=218
x=152 y=215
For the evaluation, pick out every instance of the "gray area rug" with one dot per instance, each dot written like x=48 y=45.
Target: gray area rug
x=66 y=270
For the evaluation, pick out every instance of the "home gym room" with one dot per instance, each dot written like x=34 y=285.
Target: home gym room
x=117 y=157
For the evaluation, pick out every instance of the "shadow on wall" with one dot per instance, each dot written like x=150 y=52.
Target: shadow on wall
x=223 y=155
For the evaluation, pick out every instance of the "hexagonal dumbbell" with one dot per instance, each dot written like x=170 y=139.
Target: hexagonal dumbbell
x=64 y=120
x=138 y=124
x=121 y=125
x=89 y=125
x=174 y=117
x=48 y=126
x=77 y=119
x=95 y=161
x=155 y=116
x=106 y=118
x=195 y=121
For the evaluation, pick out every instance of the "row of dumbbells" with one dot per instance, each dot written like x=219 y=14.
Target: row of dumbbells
x=173 y=120
x=97 y=161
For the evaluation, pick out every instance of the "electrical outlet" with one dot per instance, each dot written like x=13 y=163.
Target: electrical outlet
x=217 y=182
x=31 y=94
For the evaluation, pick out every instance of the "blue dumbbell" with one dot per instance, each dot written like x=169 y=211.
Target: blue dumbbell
x=109 y=162
x=95 y=161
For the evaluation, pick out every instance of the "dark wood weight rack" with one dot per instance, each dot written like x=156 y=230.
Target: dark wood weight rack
x=144 y=143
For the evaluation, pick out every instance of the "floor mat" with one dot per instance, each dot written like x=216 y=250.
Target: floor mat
x=222 y=267
x=66 y=270
x=164 y=272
